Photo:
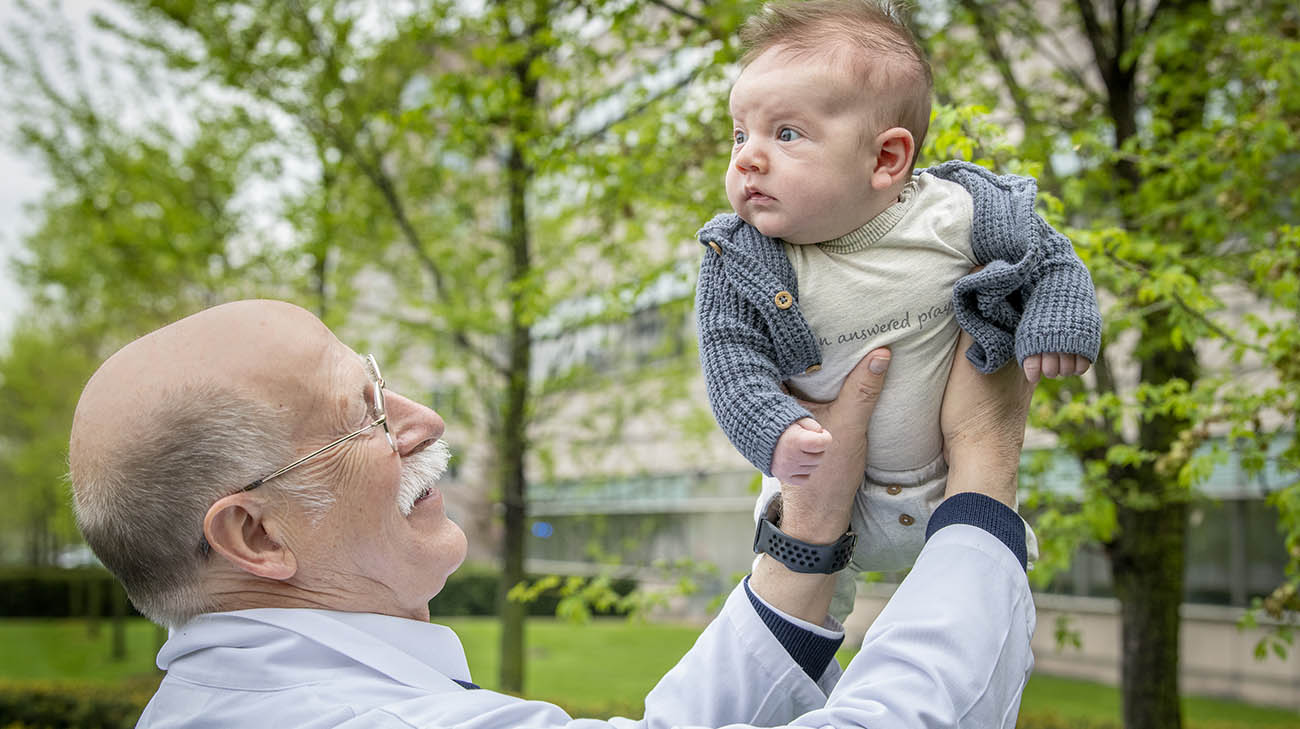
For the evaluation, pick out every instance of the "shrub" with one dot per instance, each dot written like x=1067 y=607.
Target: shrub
x=55 y=592
x=64 y=705
x=473 y=590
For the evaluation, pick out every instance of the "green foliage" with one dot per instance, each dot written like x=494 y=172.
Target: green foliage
x=473 y=590
x=61 y=705
x=1171 y=144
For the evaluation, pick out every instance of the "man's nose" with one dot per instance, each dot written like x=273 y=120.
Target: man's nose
x=414 y=426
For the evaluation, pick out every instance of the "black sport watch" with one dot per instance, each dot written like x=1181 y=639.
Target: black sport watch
x=801 y=556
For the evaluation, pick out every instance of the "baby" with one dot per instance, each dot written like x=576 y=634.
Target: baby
x=838 y=247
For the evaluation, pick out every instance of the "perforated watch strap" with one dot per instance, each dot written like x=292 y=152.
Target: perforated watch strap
x=801 y=556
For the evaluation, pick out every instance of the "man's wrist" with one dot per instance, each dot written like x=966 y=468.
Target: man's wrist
x=814 y=524
x=801 y=595
x=997 y=481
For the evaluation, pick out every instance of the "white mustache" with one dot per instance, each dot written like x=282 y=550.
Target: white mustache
x=420 y=471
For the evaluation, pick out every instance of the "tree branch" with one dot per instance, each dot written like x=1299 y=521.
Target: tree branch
x=374 y=171
x=1144 y=27
x=993 y=47
x=473 y=350
x=683 y=13
x=1182 y=303
x=1096 y=37
x=632 y=111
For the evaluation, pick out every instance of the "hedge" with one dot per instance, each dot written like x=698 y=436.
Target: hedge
x=53 y=592
x=474 y=589
x=67 y=705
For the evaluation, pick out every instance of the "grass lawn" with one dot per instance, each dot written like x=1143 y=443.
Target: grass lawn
x=38 y=650
x=605 y=667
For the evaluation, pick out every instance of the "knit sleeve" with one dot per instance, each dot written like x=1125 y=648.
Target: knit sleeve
x=1061 y=312
x=740 y=371
x=1034 y=295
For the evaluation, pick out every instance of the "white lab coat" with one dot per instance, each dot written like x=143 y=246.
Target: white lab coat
x=951 y=649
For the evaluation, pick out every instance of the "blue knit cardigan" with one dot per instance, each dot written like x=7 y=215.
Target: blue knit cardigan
x=1033 y=296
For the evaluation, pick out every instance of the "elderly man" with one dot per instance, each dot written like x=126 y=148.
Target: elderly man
x=255 y=487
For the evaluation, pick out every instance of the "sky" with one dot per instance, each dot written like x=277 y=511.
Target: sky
x=21 y=180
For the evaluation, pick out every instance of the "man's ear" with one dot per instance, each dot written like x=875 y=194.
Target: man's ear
x=239 y=528
x=893 y=163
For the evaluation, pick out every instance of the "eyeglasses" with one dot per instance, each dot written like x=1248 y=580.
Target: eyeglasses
x=379 y=417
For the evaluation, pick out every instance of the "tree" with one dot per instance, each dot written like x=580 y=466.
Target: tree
x=1168 y=130
x=460 y=179
x=41 y=374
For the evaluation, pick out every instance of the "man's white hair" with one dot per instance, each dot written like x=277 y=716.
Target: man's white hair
x=141 y=508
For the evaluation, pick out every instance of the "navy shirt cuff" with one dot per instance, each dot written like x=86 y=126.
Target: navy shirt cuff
x=984 y=512
x=811 y=651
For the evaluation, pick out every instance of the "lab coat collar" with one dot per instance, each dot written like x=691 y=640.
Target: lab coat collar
x=409 y=651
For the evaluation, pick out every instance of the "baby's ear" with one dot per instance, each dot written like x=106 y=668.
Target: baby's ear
x=893 y=163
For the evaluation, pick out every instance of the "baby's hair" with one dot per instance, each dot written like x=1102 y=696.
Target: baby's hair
x=859 y=32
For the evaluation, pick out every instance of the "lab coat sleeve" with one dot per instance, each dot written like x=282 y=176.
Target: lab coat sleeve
x=951 y=648
x=737 y=673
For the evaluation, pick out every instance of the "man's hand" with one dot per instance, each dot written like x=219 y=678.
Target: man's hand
x=818 y=510
x=983 y=423
x=1053 y=364
x=799 y=451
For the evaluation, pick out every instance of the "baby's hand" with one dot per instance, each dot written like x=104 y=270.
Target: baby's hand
x=1054 y=364
x=799 y=451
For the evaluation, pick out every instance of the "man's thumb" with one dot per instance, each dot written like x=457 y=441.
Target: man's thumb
x=864 y=383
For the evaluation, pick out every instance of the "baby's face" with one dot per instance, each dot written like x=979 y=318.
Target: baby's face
x=801 y=159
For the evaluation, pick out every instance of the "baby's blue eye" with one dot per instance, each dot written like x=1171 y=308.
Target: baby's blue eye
x=786 y=134
x=739 y=137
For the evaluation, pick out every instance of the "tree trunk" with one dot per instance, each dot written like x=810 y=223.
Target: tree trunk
x=513 y=440
x=1147 y=560
x=1148 y=554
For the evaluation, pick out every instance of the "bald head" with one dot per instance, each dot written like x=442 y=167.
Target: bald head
x=179 y=418
x=227 y=347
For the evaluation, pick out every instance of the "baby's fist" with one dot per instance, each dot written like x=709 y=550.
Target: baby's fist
x=799 y=451
x=1055 y=364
